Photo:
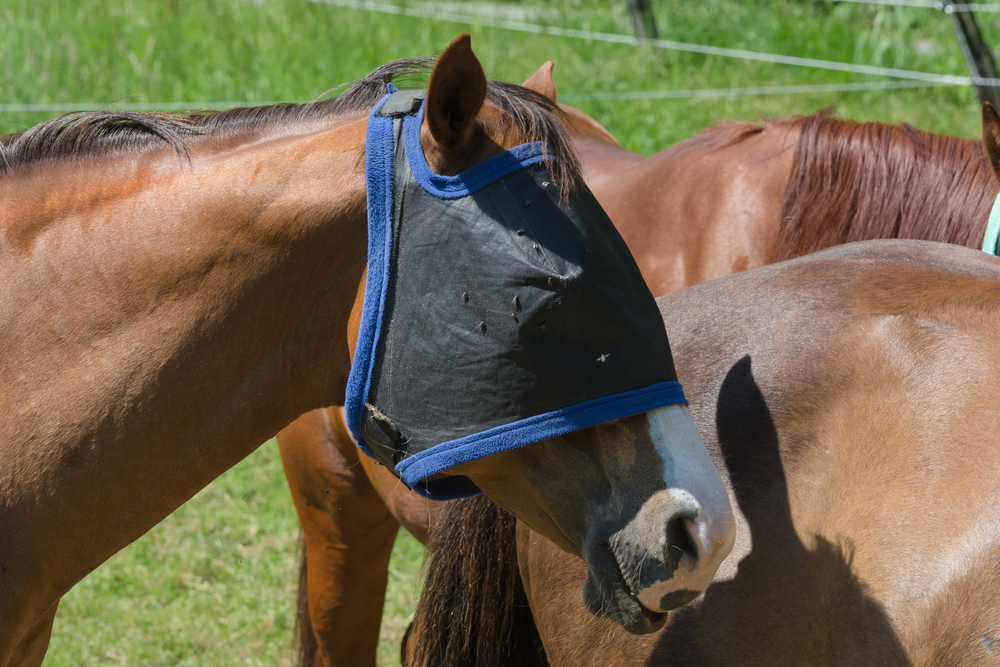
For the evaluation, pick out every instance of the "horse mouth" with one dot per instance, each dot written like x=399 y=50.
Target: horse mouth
x=614 y=599
x=657 y=619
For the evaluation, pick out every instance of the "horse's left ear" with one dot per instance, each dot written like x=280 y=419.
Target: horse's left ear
x=991 y=137
x=541 y=81
x=455 y=94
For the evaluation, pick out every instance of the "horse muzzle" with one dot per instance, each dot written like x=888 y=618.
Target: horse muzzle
x=661 y=560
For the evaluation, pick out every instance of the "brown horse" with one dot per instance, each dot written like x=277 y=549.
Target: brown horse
x=177 y=289
x=849 y=397
x=737 y=196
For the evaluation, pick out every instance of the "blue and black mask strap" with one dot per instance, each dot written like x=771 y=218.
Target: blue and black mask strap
x=383 y=126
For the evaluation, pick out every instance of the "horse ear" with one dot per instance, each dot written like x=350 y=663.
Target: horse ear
x=991 y=137
x=455 y=94
x=541 y=81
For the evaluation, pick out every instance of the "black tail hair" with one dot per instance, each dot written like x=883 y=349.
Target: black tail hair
x=473 y=611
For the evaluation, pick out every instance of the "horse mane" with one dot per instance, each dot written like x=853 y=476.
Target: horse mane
x=100 y=133
x=473 y=611
x=856 y=181
x=721 y=135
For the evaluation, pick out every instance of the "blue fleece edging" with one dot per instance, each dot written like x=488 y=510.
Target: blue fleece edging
x=414 y=469
x=479 y=176
x=992 y=235
x=378 y=172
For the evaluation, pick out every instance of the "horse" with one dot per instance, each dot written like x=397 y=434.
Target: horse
x=737 y=196
x=849 y=399
x=180 y=288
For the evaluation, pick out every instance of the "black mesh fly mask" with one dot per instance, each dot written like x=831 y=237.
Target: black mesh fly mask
x=496 y=313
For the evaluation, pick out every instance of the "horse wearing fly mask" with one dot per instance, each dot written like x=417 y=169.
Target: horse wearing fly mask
x=179 y=288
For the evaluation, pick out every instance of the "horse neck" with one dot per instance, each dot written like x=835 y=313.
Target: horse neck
x=860 y=181
x=703 y=208
x=601 y=156
x=161 y=318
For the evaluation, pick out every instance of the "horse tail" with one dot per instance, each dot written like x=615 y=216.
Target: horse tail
x=473 y=611
x=307 y=644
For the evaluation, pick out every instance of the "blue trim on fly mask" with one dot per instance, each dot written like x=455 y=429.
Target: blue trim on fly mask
x=479 y=176
x=992 y=234
x=378 y=165
x=422 y=465
x=415 y=469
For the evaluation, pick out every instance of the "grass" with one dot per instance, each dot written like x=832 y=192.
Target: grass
x=214 y=583
x=264 y=50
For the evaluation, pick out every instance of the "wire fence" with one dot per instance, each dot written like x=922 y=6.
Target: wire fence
x=429 y=11
x=903 y=78
x=945 y=7
x=747 y=91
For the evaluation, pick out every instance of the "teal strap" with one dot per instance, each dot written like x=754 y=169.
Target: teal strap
x=992 y=229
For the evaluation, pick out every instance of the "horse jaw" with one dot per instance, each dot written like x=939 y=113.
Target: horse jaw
x=669 y=552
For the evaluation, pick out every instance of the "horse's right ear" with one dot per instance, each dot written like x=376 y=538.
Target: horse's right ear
x=455 y=93
x=541 y=81
x=991 y=137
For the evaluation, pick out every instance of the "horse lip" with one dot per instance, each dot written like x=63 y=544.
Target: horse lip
x=614 y=599
x=657 y=619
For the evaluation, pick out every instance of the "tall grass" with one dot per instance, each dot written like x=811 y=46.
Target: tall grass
x=214 y=583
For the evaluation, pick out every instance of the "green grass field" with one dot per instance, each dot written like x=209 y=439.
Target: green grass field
x=214 y=583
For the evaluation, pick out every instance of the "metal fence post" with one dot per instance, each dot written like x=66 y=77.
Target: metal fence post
x=977 y=54
x=642 y=17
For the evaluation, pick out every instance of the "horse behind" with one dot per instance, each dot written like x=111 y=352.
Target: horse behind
x=178 y=289
x=849 y=399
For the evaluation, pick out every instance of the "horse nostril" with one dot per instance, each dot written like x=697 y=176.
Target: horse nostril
x=679 y=540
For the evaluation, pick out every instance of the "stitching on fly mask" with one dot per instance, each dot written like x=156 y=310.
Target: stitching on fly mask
x=496 y=314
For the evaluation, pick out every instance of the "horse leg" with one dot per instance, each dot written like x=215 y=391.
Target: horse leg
x=30 y=650
x=349 y=533
x=414 y=512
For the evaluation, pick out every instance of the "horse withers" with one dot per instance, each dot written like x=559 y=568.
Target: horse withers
x=177 y=289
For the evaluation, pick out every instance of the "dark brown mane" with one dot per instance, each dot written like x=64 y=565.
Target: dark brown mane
x=474 y=610
x=97 y=133
x=857 y=181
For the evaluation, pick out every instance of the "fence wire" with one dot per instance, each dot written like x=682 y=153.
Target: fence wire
x=911 y=78
x=929 y=4
x=428 y=12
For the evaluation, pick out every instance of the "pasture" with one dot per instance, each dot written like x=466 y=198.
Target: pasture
x=214 y=583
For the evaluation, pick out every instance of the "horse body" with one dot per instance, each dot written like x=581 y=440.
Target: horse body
x=166 y=311
x=145 y=338
x=849 y=399
x=703 y=208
